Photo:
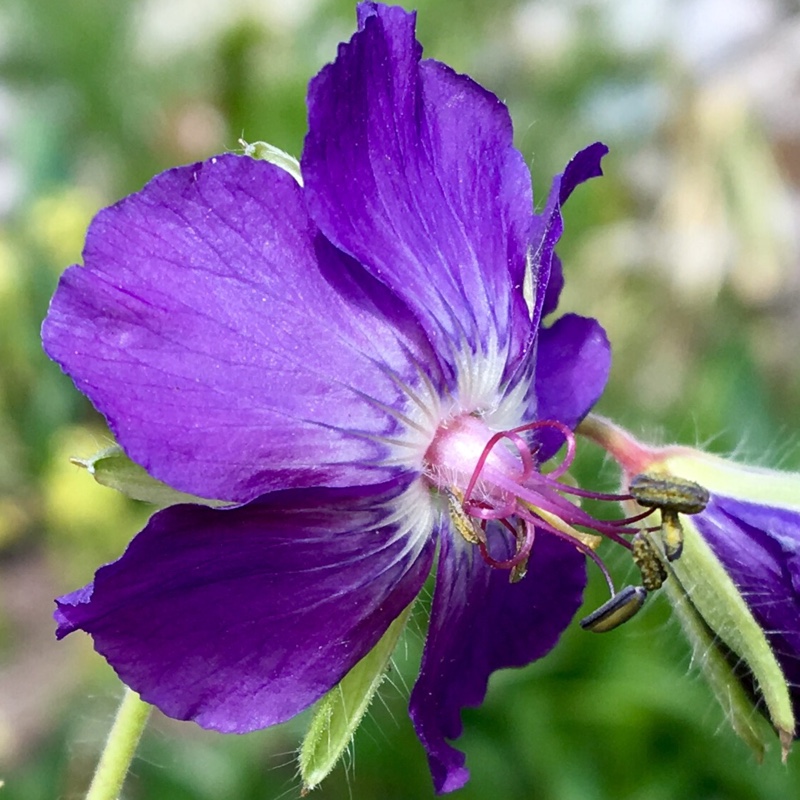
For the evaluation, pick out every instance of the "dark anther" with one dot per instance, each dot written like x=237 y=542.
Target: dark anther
x=620 y=608
x=672 y=496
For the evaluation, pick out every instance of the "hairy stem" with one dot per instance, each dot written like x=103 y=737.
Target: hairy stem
x=123 y=738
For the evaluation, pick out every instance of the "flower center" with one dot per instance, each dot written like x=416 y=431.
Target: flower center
x=499 y=501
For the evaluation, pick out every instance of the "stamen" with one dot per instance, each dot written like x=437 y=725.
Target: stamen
x=620 y=608
x=523 y=549
x=625 y=521
x=563 y=508
x=462 y=522
x=672 y=534
x=649 y=564
x=557 y=523
x=536 y=499
x=584 y=542
x=672 y=495
x=576 y=490
x=669 y=493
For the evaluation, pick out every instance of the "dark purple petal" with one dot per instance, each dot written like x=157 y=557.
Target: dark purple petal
x=480 y=623
x=548 y=225
x=410 y=168
x=239 y=619
x=759 y=546
x=63 y=614
x=232 y=349
x=554 y=286
x=545 y=266
x=572 y=366
x=583 y=166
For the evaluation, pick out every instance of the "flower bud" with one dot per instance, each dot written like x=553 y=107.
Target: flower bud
x=735 y=584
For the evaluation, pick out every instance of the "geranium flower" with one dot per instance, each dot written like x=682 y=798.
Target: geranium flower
x=736 y=584
x=339 y=360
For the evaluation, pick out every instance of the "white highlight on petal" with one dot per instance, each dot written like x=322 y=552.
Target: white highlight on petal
x=417 y=514
x=480 y=391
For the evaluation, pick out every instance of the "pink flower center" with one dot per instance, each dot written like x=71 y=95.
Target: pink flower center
x=490 y=476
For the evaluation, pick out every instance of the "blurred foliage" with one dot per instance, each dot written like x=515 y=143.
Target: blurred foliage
x=684 y=251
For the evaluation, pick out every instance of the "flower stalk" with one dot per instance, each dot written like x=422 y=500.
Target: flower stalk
x=121 y=744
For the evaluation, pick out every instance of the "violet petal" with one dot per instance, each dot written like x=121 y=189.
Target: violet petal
x=548 y=225
x=572 y=366
x=232 y=349
x=480 y=623
x=239 y=619
x=410 y=168
x=546 y=272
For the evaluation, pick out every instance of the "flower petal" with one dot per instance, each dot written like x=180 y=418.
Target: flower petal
x=241 y=618
x=548 y=226
x=231 y=348
x=545 y=278
x=759 y=546
x=410 y=168
x=480 y=623
x=572 y=366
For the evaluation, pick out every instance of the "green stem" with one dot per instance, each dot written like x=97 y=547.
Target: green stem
x=121 y=744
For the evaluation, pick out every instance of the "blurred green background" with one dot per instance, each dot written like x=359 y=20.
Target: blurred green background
x=687 y=251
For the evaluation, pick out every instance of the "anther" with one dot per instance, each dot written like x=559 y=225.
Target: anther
x=668 y=493
x=671 y=534
x=462 y=522
x=672 y=496
x=520 y=570
x=646 y=558
x=620 y=608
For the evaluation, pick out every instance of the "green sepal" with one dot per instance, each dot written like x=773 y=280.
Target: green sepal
x=718 y=671
x=752 y=484
x=338 y=714
x=714 y=612
x=262 y=151
x=112 y=468
x=712 y=595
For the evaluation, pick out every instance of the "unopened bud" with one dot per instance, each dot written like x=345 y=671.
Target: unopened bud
x=736 y=584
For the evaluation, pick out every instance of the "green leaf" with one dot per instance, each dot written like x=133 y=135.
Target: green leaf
x=339 y=713
x=112 y=468
x=262 y=151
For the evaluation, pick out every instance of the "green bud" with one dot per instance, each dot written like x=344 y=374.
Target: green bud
x=111 y=467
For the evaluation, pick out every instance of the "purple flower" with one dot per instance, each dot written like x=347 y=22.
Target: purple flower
x=335 y=358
